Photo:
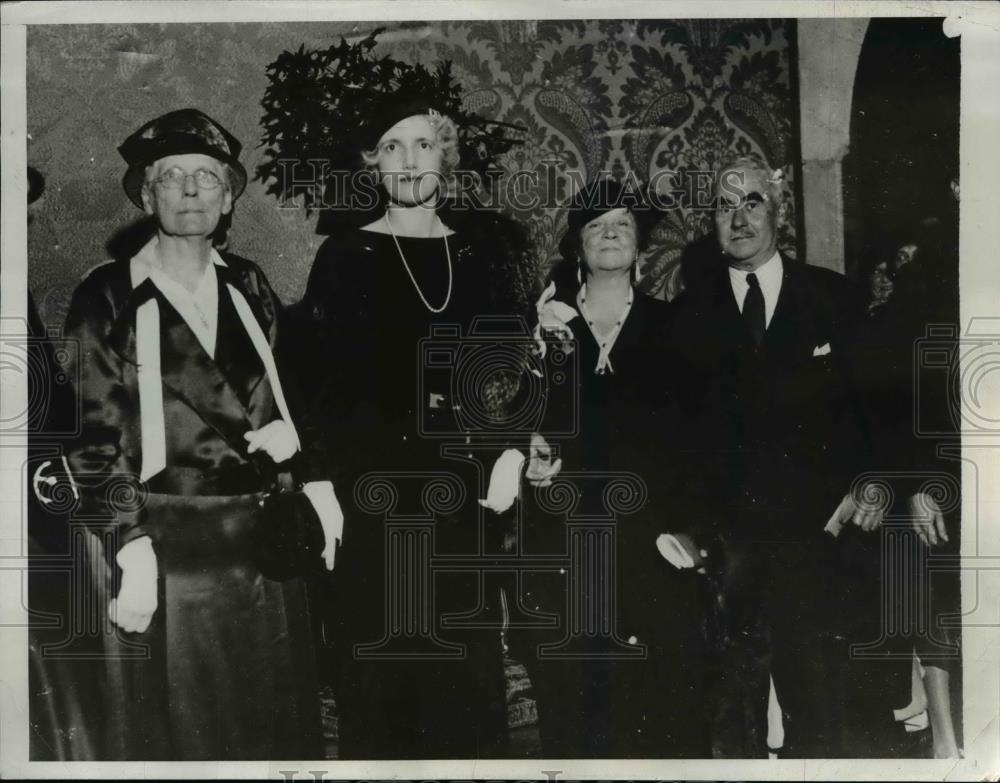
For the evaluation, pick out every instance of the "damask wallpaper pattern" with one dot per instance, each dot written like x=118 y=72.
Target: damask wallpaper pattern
x=617 y=96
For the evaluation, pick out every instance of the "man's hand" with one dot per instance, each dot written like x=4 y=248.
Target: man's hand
x=136 y=603
x=331 y=517
x=864 y=514
x=926 y=519
x=541 y=469
x=680 y=551
x=276 y=439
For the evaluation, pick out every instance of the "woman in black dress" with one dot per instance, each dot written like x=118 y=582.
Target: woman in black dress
x=632 y=689
x=408 y=683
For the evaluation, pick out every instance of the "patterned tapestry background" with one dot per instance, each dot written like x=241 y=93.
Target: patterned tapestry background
x=614 y=96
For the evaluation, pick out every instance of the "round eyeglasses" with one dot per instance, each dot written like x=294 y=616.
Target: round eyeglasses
x=175 y=179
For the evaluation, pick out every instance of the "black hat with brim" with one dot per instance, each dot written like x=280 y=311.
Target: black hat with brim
x=393 y=109
x=603 y=195
x=182 y=132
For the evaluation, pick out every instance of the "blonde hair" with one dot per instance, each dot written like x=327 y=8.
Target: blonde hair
x=446 y=136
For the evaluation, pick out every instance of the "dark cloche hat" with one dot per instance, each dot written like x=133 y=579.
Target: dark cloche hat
x=181 y=132
x=390 y=109
x=602 y=195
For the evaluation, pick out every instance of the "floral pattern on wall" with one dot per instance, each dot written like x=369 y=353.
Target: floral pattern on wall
x=626 y=97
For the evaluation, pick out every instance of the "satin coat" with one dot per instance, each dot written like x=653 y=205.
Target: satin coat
x=226 y=670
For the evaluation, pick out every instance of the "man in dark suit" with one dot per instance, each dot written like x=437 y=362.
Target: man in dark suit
x=766 y=348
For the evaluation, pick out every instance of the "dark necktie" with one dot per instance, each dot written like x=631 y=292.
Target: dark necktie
x=753 y=310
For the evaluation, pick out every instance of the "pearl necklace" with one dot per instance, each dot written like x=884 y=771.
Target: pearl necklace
x=413 y=280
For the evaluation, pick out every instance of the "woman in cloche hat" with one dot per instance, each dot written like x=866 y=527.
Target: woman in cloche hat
x=187 y=438
x=634 y=691
x=375 y=295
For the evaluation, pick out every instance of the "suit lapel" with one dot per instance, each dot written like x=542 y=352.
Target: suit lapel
x=235 y=355
x=785 y=330
x=227 y=393
x=241 y=363
x=788 y=328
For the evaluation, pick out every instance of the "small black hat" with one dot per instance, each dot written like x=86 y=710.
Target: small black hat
x=394 y=108
x=180 y=132
x=600 y=196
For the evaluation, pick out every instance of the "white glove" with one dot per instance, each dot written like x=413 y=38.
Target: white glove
x=680 y=551
x=331 y=517
x=505 y=480
x=673 y=551
x=276 y=438
x=133 y=609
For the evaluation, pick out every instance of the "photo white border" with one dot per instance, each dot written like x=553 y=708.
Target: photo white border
x=979 y=23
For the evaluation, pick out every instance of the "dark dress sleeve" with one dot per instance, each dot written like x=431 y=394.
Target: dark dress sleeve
x=107 y=478
x=311 y=462
x=327 y=347
x=850 y=329
x=679 y=464
x=558 y=390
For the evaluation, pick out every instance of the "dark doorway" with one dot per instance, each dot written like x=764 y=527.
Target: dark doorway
x=904 y=136
x=897 y=191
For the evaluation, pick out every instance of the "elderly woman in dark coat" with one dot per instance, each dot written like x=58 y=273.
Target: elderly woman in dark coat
x=187 y=438
x=623 y=679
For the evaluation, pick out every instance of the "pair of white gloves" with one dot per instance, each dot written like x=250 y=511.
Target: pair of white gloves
x=137 y=601
x=132 y=610
x=926 y=518
x=679 y=549
x=505 y=478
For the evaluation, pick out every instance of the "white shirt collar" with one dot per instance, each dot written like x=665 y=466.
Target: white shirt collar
x=198 y=308
x=147 y=259
x=769 y=275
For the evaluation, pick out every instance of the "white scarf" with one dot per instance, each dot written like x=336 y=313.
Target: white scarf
x=147 y=341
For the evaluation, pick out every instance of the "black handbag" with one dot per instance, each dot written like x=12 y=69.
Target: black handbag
x=287 y=537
